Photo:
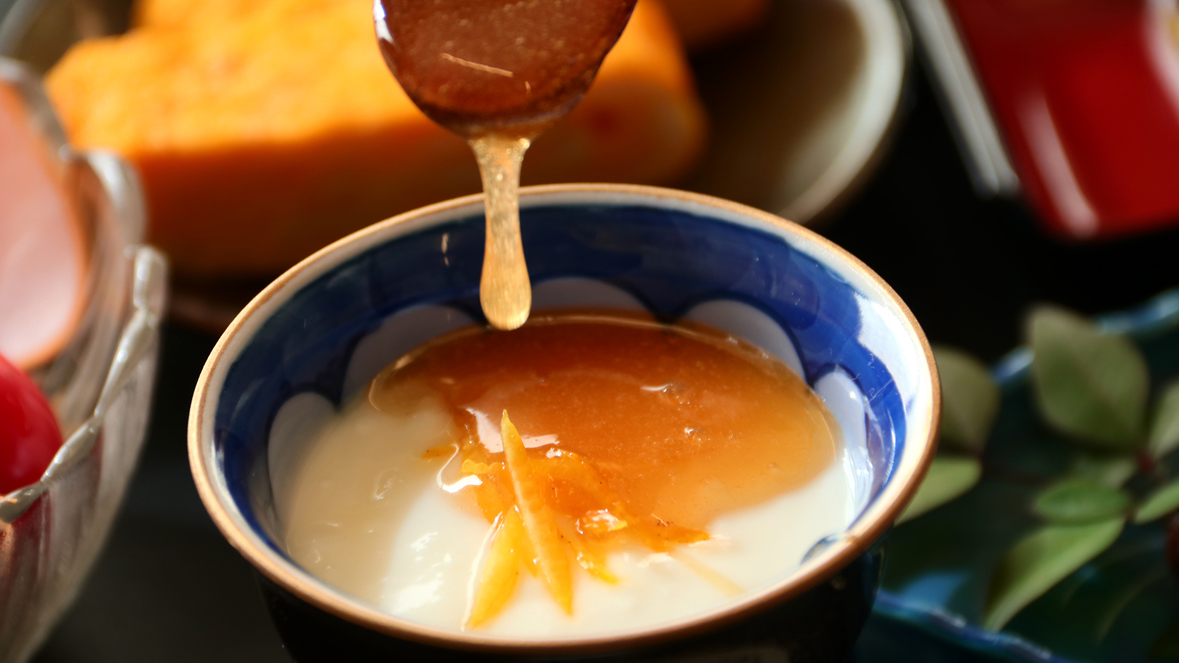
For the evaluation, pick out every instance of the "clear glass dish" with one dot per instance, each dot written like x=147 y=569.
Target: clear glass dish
x=100 y=385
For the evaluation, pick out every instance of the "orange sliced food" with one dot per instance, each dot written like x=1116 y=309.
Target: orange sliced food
x=498 y=579
x=495 y=495
x=43 y=262
x=551 y=560
x=547 y=505
x=614 y=515
x=589 y=557
x=705 y=572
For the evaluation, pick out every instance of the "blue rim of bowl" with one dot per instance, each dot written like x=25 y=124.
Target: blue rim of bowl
x=1159 y=313
x=871 y=524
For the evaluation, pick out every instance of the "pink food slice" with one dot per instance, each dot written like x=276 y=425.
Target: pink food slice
x=42 y=261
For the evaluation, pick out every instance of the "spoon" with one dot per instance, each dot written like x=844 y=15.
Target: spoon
x=498 y=73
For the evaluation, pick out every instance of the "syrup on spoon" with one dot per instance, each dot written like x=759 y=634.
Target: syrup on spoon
x=497 y=73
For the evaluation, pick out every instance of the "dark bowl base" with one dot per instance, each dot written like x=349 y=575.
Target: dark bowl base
x=820 y=626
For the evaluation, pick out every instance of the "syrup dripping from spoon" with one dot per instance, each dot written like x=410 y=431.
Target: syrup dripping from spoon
x=498 y=73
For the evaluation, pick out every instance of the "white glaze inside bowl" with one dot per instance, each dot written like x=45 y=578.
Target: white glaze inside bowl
x=227 y=431
x=414 y=552
x=422 y=549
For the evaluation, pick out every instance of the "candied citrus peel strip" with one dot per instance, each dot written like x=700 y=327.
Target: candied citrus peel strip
x=500 y=571
x=551 y=560
x=705 y=572
x=591 y=560
x=512 y=496
x=575 y=470
x=494 y=496
x=476 y=467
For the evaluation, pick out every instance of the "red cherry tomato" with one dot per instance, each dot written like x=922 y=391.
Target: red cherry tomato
x=29 y=436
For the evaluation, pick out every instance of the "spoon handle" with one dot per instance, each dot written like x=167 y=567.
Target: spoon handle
x=504 y=290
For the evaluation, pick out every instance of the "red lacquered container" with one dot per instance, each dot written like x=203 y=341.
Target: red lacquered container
x=1085 y=98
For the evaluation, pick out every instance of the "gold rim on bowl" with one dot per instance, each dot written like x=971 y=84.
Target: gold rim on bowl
x=869 y=526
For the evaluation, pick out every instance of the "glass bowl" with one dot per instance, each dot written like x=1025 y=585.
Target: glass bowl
x=99 y=384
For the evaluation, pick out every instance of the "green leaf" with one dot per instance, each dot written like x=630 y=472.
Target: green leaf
x=1111 y=471
x=1164 y=427
x=970 y=400
x=1089 y=385
x=1079 y=501
x=1040 y=560
x=1159 y=503
x=948 y=478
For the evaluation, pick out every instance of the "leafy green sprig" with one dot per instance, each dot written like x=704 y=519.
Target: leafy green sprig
x=1093 y=388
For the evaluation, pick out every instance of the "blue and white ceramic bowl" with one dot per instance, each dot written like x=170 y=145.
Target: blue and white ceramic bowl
x=327 y=326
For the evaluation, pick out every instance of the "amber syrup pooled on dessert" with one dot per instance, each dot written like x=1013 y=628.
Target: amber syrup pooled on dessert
x=497 y=73
x=622 y=432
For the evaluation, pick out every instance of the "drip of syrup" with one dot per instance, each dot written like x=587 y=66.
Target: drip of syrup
x=498 y=73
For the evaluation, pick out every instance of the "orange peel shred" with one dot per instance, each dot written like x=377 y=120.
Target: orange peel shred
x=546 y=509
x=551 y=560
x=498 y=579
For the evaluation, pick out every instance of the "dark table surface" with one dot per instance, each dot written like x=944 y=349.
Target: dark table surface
x=169 y=588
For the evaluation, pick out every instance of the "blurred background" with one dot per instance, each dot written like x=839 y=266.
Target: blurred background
x=981 y=156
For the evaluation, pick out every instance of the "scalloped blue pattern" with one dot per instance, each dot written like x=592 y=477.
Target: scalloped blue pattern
x=669 y=260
